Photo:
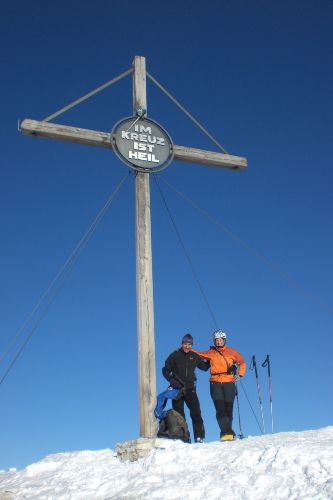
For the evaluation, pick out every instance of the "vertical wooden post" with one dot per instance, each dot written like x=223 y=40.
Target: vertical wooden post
x=144 y=277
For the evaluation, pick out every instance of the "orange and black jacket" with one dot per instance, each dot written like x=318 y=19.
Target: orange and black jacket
x=222 y=361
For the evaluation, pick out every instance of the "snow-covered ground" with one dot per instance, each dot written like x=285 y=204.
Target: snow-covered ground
x=291 y=465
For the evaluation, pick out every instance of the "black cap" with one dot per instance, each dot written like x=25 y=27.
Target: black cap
x=187 y=338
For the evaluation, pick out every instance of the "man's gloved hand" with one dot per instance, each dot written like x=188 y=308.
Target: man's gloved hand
x=237 y=378
x=175 y=384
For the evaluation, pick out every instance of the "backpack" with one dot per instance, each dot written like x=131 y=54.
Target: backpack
x=174 y=426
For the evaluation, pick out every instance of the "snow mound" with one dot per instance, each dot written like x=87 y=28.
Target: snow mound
x=291 y=465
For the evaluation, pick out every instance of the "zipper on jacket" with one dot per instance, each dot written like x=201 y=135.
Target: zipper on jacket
x=225 y=359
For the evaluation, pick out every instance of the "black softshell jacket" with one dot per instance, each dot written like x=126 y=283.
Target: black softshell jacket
x=181 y=366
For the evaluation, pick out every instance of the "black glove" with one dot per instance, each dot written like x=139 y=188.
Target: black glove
x=175 y=384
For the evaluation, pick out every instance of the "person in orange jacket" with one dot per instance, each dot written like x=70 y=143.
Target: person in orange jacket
x=227 y=366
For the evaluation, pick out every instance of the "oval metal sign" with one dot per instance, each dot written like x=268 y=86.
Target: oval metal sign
x=142 y=144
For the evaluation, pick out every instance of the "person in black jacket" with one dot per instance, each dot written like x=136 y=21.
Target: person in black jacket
x=179 y=370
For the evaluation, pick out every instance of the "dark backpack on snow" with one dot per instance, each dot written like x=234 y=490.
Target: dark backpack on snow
x=174 y=426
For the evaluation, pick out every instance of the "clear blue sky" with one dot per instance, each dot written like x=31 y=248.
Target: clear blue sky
x=258 y=75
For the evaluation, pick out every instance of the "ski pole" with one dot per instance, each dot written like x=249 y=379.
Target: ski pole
x=254 y=414
x=253 y=365
x=241 y=435
x=268 y=364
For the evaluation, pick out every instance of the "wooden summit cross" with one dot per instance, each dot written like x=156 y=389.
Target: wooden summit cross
x=144 y=280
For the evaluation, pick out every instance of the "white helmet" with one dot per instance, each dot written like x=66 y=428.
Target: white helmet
x=218 y=334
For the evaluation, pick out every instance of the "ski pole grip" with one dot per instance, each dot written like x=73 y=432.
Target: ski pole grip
x=268 y=364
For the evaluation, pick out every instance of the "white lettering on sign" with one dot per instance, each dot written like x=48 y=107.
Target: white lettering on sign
x=142 y=128
x=143 y=147
x=140 y=142
x=133 y=136
x=138 y=155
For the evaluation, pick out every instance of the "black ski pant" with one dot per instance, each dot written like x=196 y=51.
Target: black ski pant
x=192 y=402
x=223 y=395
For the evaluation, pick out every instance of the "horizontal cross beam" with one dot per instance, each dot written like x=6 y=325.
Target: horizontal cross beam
x=103 y=140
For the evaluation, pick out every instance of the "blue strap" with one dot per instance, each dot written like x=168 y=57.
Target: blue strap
x=162 y=399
